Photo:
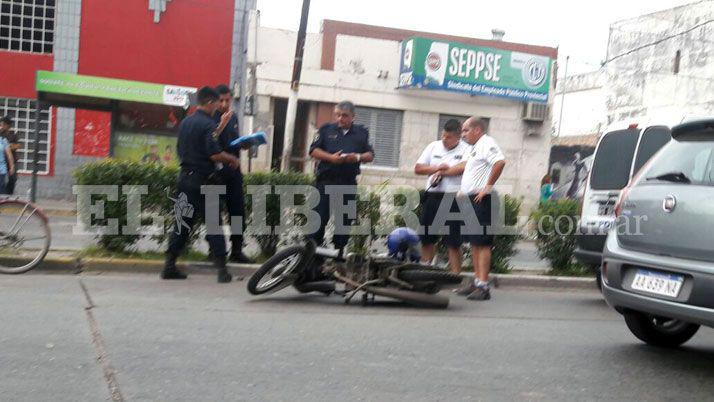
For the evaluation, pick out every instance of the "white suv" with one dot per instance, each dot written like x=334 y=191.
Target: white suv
x=621 y=151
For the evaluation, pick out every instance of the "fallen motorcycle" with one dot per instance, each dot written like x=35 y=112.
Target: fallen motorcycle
x=411 y=282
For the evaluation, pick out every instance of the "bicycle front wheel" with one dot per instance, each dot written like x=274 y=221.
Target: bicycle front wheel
x=24 y=236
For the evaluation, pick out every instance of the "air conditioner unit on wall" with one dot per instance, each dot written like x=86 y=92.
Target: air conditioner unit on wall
x=535 y=111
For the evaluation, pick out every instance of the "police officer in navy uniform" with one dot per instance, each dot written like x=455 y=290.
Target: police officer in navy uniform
x=198 y=151
x=340 y=148
x=234 y=199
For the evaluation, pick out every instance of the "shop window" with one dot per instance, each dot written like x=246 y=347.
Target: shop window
x=385 y=131
x=27 y=25
x=443 y=118
x=146 y=133
x=22 y=112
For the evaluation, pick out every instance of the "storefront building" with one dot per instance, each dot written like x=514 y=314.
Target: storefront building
x=405 y=84
x=179 y=43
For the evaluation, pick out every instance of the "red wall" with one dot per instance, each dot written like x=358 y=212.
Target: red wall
x=190 y=46
x=17 y=74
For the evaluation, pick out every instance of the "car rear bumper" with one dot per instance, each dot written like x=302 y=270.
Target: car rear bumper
x=589 y=249
x=695 y=302
x=620 y=300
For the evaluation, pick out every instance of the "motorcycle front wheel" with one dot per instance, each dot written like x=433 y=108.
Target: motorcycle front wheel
x=279 y=271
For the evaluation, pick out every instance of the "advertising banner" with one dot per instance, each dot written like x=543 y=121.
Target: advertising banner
x=450 y=66
x=109 y=88
x=145 y=148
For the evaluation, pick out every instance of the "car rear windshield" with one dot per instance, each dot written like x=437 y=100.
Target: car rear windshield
x=653 y=139
x=693 y=160
x=613 y=160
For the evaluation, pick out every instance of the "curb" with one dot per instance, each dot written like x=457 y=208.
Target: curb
x=69 y=265
x=543 y=281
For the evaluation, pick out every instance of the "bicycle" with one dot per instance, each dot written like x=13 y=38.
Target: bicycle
x=24 y=236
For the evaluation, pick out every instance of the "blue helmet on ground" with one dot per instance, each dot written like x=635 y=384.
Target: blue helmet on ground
x=403 y=244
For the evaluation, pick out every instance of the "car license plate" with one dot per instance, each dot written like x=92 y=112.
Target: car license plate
x=657 y=283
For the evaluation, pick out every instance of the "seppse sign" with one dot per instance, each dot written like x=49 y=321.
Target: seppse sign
x=451 y=66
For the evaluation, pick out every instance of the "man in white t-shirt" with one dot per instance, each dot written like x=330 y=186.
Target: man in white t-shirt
x=482 y=166
x=437 y=158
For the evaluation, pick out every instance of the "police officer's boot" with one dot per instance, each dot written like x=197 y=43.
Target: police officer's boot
x=170 y=271
x=223 y=275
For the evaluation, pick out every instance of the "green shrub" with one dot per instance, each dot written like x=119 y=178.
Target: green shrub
x=556 y=227
x=161 y=182
x=504 y=245
x=268 y=243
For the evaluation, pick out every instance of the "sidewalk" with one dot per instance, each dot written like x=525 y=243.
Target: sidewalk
x=58 y=208
x=65 y=244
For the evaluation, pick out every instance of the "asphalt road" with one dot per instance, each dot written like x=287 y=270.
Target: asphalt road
x=197 y=340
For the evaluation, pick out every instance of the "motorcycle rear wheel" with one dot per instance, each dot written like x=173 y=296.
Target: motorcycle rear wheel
x=437 y=276
x=414 y=298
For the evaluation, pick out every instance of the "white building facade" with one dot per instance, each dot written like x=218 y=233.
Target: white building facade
x=662 y=64
x=659 y=65
x=361 y=63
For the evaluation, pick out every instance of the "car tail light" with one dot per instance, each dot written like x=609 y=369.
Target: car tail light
x=632 y=126
x=621 y=200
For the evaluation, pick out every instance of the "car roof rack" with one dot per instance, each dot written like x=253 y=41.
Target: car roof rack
x=697 y=128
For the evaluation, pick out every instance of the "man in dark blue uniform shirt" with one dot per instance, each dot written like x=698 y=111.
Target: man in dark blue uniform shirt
x=198 y=151
x=340 y=148
x=234 y=200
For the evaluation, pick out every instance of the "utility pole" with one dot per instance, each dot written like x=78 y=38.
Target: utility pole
x=240 y=56
x=562 y=98
x=36 y=151
x=294 y=86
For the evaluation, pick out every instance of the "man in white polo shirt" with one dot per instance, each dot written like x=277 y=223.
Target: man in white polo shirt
x=436 y=158
x=483 y=165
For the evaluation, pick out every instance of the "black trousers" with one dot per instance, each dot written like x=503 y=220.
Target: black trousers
x=325 y=211
x=234 y=203
x=10 y=185
x=189 y=208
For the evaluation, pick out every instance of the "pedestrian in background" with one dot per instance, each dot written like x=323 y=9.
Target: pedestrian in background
x=7 y=164
x=14 y=145
x=435 y=160
x=546 y=188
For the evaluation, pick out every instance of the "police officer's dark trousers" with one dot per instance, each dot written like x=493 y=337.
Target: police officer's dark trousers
x=324 y=208
x=189 y=183
x=234 y=199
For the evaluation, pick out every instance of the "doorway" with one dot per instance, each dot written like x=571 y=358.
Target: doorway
x=297 y=160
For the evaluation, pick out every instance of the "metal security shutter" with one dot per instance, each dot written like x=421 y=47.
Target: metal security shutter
x=443 y=118
x=385 y=131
